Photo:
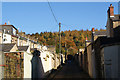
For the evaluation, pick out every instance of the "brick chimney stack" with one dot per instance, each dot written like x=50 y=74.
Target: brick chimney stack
x=110 y=11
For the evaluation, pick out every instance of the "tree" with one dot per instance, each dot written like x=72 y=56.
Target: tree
x=63 y=34
x=51 y=35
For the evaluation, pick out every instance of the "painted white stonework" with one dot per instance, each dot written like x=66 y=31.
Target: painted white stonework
x=6 y=38
x=27 y=65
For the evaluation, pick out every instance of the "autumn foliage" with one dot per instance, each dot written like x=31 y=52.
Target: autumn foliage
x=73 y=39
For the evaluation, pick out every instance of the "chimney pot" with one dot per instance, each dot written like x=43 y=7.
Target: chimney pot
x=86 y=39
x=110 y=4
x=5 y=23
x=93 y=30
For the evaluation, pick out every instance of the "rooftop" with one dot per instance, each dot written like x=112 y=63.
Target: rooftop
x=104 y=41
x=23 y=48
x=116 y=17
x=100 y=33
x=8 y=25
x=7 y=47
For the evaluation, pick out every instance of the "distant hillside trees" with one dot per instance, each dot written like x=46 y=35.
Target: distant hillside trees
x=74 y=39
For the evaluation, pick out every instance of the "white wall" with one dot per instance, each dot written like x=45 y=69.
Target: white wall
x=0 y=37
x=47 y=64
x=27 y=65
x=111 y=61
x=7 y=38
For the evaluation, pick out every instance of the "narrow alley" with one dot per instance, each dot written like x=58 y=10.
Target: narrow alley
x=70 y=70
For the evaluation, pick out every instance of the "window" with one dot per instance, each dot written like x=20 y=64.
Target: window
x=4 y=35
x=8 y=31
x=4 y=31
x=4 y=39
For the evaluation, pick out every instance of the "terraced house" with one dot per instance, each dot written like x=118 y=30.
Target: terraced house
x=15 y=54
x=101 y=56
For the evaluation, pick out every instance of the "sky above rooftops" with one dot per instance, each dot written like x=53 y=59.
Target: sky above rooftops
x=32 y=17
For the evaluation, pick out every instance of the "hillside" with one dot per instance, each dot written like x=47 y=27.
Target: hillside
x=73 y=39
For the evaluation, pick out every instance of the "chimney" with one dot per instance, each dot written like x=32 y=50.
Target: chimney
x=86 y=39
x=110 y=11
x=86 y=42
x=93 y=31
x=5 y=23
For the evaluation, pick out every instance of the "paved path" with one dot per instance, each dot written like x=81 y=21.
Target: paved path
x=71 y=70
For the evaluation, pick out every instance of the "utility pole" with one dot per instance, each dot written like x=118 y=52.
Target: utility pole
x=60 y=41
x=65 y=52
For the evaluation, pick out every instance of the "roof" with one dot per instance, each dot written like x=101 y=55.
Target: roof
x=7 y=47
x=9 y=25
x=50 y=46
x=100 y=33
x=23 y=38
x=116 y=17
x=117 y=31
x=22 y=48
x=104 y=41
x=32 y=49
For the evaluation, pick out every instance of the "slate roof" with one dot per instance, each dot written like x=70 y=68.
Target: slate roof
x=108 y=41
x=9 y=25
x=117 y=31
x=116 y=17
x=22 y=48
x=23 y=38
x=50 y=46
x=100 y=33
x=7 y=47
x=32 y=49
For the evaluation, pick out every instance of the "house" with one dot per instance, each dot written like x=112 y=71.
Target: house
x=113 y=21
x=109 y=57
x=103 y=49
x=9 y=29
x=17 y=61
x=27 y=57
x=109 y=50
x=14 y=39
x=6 y=48
x=15 y=53
x=49 y=59
x=89 y=56
x=6 y=33
x=96 y=34
x=106 y=48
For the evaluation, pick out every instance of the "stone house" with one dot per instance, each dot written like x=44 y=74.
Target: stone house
x=16 y=61
x=6 y=32
x=113 y=21
x=107 y=48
